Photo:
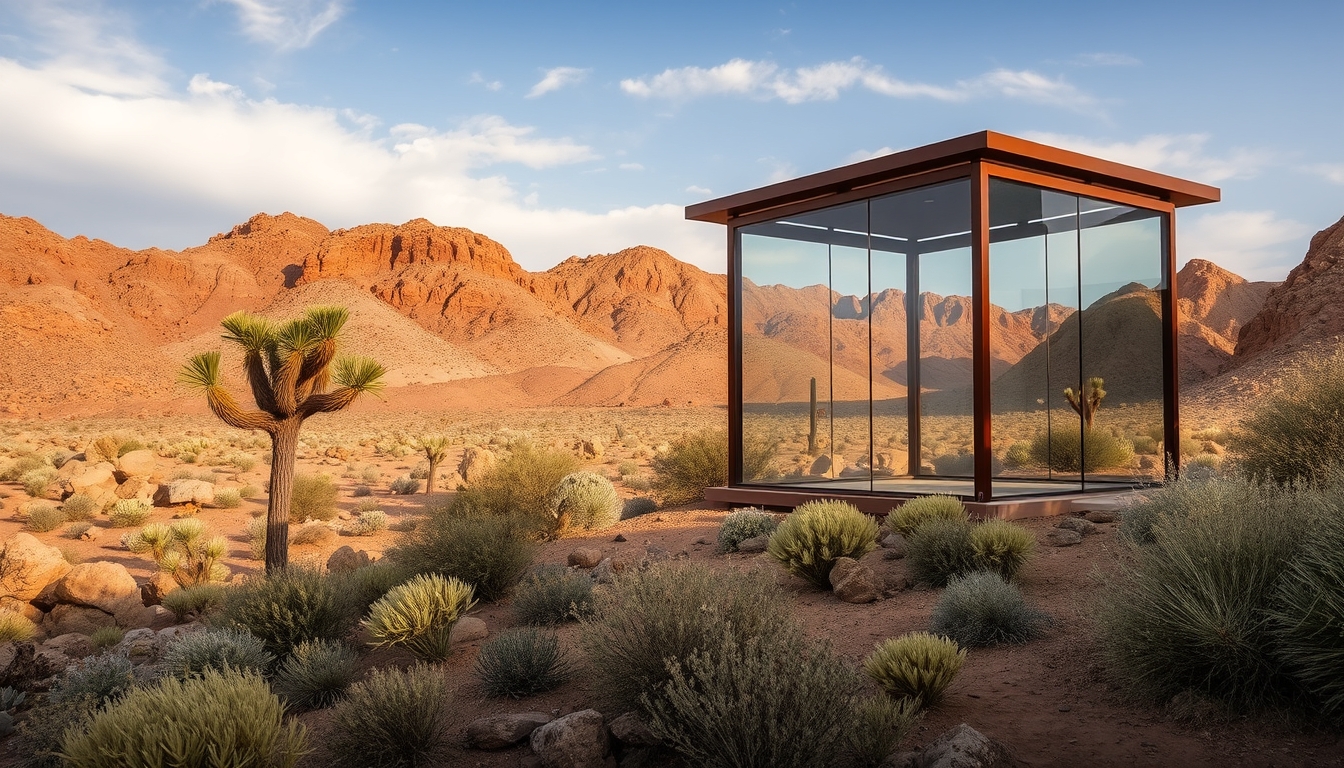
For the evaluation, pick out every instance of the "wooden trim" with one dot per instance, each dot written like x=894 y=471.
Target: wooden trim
x=1013 y=508
x=981 y=372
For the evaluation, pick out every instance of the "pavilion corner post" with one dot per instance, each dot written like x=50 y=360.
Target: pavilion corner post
x=1171 y=425
x=734 y=357
x=980 y=321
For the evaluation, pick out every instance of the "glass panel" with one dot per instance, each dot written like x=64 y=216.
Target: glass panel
x=945 y=372
x=850 y=391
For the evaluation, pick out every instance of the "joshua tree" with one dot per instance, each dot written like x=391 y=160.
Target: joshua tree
x=288 y=367
x=1088 y=401
x=436 y=450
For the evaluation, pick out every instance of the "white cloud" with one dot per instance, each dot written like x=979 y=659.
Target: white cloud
x=1329 y=172
x=1180 y=154
x=859 y=156
x=202 y=85
x=557 y=78
x=287 y=24
x=825 y=82
x=780 y=170
x=631 y=167
x=490 y=85
x=694 y=190
x=1257 y=245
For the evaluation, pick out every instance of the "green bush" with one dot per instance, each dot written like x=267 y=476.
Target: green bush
x=1018 y=455
x=940 y=550
x=312 y=532
x=553 y=595
x=249 y=492
x=215 y=721
x=316 y=674
x=361 y=490
x=79 y=507
x=369 y=523
x=392 y=719
x=21 y=466
x=522 y=662
x=314 y=498
x=907 y=518
x=981 y=609
x=880 y=725
x=75 y=696
x=15 y=626
x=288 y=608
x=916 y=666
x=818 y=533
x=106 y=637
x=647 y=617
x=129 y=513
x=103 y=677
x=1066 y=450
x=192 y=654
x=520 y=484
x=44 y=517
x=420 y=615
x=700 y=460
x=490 y=552
x=742 y=524
x=404 y=485
x=365 y=586
x=1294 y=433
x=1002 y=547
x=638 y=505
x=1186 y=499
x=228 y=498
x=35 y=482
x=195 y=602
x=773 y=700
x=1308 y=614
x=585 y=501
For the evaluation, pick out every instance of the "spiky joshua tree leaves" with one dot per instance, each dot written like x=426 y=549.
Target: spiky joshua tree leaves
x=1088 y=400
x=435 y=448
x=289 y=367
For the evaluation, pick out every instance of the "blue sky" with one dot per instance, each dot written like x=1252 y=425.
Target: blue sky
x=574 y=128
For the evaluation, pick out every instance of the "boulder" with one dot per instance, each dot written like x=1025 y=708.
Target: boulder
x=1062 y=537
x=854 y=582
x=23 y=665
x=965 y=747
x=160 y=617
x=101 y=585
x=153 y=590
x=476 y=463
x=27 y=566
x=1101 y=516
x=136 y=488
x=95 y=481
x=629 y=729
x=347 y=559
x=21 y=607
x=70 y=468
x=468 y=629
x=501 y=731
x=589 y=448
x=577 y=740
x=72 y=644
x=92 y=533
x=185 y=492
x=141 y=646
x=895 y=545
x=585 y=557
x=607 y=570
x=65 y=618
x=137 y=463
x=754 y=545
x=827 y=466
x=1078 y=524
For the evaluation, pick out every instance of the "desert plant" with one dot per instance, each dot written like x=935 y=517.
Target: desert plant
x=584 y=501
x=907 y=518
x=369 y=523
x=917 y=666
x=11 y=698
x=700 y=460
x=249 y=492
x=490 y=552
x=75 y=696
x=311 y=533
x=196 y=601
x=1002 y=547
x=520 y=484
x=393 y=719
x=35 y=482
x=1072 y=450
x=521 y=662
x=289 y=607
x=316 y=674
x=365 y=586
x=228 y=498
x=818 y=533
x=420 y=615
x=21 y=466
x=880 y=725
x=255 y=530
x=106 y=637
x=44 y=517
x=368 y=505
x=404 y=486
x=103 y=677
x=76 y=530
x=361 y=490
x=742 y=524
x=214 y=721
x=193 y=653
x=288 y=368
x=553 y=594
x=636 y=506
x=14 y=626
x=185 y=551
x=941 y=549
x=435 y=448
x=981 y=608
x=128 y=513
x=314 y=498
x=1308 y=614
x=1087 y=400
x=370 y=474
x=647 y=617
x=79 y=507
x=1293 y=433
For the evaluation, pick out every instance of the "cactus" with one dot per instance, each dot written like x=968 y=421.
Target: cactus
x=1086 y=402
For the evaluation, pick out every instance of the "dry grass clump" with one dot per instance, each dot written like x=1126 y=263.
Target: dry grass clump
x=742 y=524
x=15 y=626
x=1002 y=547
x=918 y=666
x=393 y=719
x=522 y=483
x=584 y=501
x=940 y=550
x=420 y=615
x=982 y=608
x=44 y=517
x=79 y=507
x=1295 y=433
x=819 y=533
x=700 y=460
x=316 y=674
x=128 y=513
x=907 y=518
x=553 y=594
x=490 y=552
x=309 y=533
x=314 y=498
x=522 y=662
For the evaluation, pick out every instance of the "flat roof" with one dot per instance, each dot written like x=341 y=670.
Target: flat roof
x=985 y=145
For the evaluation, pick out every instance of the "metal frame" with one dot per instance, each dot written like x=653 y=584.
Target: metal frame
x=979 y=157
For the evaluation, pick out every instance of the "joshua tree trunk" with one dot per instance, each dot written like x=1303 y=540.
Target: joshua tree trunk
x=284 y=447
x=433 y=470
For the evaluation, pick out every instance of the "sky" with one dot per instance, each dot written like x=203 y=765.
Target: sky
x=575 y=128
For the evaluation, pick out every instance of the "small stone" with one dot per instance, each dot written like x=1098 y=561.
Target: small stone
x=1061 y=537
x=347 y=559
x=92 y=533
x=620 y=537
x=585 y=557
x=1077 y=524
x=468 y=629
x=184 y=492
x=754 y=544
x=854 y=582
x=604 y=572
x=1065 y=708
x=705 y=540
x=894 y=543
x=1101 y=516
x=629 y=729
x=72 y=644
x=577 y=740
x=965 y=747
x=501 y=731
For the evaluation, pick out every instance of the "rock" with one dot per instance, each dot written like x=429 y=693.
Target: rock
x=854 y=582
x=476 y=463
x=6 y=724
x=1062 y=537
x=96 y=481
x=92 y=533
x=577 y=740
x=66 y=618
x=70 y=468
x=653 y=554
x=184 y=492
x=500 y=731
x=620 y=537
x=606 y=571
x=827 y=466
x=72 y=644
x=23 y=665
x=137 y=463
x=468 y=629
x=895 y=545
x=160 y=617
x=705 y=540
x=1101 y=516
x=101 y=585
x=965 y=747
x=136 y=488
x=347 y=559
x=155 y=587
x=590 y=448
x=141 y=646
x=585 y=557
x=27 y=566
x=1078 y=524
x=21 y=607
x=754 y=544
x=629 y=729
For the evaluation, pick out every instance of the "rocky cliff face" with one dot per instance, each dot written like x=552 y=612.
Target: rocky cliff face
x=1304 y=309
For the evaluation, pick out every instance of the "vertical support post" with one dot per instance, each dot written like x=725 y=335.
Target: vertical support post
x=913 y=309
x=734 y=357
x=812 y=421
x=1171 y=426
x=980 y=361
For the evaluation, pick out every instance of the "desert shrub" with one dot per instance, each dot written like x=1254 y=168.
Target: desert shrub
x=552 y=595
x=773 y=700
x=215 y=721
x=742 y=524
x=521 y=483
x=103 y=677
x=131 y=444
x=311 y=532
x=249 y=492
x=490 y=552
x=404 y=485
x=420 y=615
x=584 y=501
x=638 y=505
x=917 y=666
x=36 y=481
x=521 y=662
x=1018 y=455
x=647 y=617
x=255 y=530
x=15 y=626
x=1188 y=498
x=1308 y=614
x=1294 y=433
x=44 y=517
x=195 y=602
x=79 y=507
x=361 y=490
x=316 y=674
x=1067 y=450
x=1189 y=611
x=907 y=518
x=1002 y=547
x=314 y=498
x=228 y=498
x=700 y=460
x=370 y=474
x=191 y=654
x=637 y=482
x=818 y=533
x=365 y=586
x=106 y=637
x=186 y=551
x=243 y=462
x=11 y=698
x=75 y=696
x=287 y=608
x=369 y=523
x=128 y=513
x=368 y=505
x=421 y=471
x=981 y=608
x=22 y=466
x=1145 y=445
x=880 y=725
x=393 y=719
x=940 y=550
x=76 y=530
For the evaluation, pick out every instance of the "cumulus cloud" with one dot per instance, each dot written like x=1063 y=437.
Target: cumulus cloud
x=826 y=81
x=287 y=24
x=1177 y=154
x=202 y=85
x=490 y=85
x=557 y=78
x=1258 y=245
x=694 y=190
